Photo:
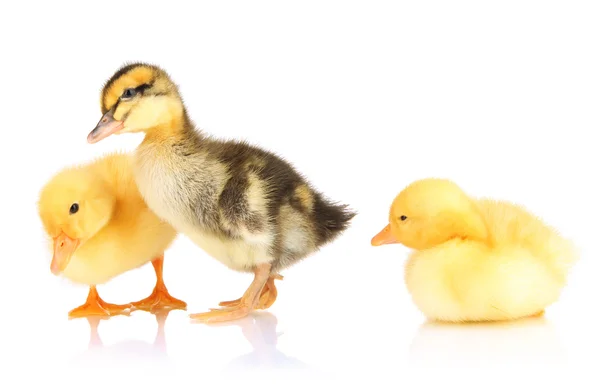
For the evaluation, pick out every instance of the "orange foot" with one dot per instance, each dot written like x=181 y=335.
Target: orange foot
x=95 y=306
x=268 y=296
x=224 y=314
x=160 y=299
x=240 y=308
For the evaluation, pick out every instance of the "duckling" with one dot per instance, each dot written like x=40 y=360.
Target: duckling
x=244 y=206
x=475 y=259
x=99 y=227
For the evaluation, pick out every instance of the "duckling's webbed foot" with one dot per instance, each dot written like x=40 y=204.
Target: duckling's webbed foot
x=267 y=297
x=242 y=307
x=95 y=306
x=159 y=299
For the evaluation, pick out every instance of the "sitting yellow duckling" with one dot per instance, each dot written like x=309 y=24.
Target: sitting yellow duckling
x=475 y=260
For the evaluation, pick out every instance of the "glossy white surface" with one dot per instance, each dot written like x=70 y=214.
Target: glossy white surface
x=363 y=99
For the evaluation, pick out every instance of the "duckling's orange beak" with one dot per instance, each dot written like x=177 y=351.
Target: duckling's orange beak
x=384 y=237
x=107 y=126
x=64 y=248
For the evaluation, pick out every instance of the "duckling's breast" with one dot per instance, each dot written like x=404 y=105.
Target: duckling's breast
x=118 y=248
x=184 y=191
x=99 y=268
x=181 y=190
x=83 y=270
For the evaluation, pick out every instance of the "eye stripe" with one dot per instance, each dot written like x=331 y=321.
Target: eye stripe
x=134 y=91
x=140 y=89
x=143 y=87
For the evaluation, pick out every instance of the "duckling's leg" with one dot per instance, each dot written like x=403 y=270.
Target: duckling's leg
x=160 y=297
x=95 y=306
x=267 y=296
x=247 y=303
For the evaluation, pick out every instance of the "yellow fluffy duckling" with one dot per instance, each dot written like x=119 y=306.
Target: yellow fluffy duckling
x=100 y=227
x=475 y=259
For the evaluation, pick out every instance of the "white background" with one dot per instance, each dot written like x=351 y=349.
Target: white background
x=363 y=98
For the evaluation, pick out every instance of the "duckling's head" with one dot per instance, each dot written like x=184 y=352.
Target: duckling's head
x=138 y=97
x=73 y=206
x=429 y=212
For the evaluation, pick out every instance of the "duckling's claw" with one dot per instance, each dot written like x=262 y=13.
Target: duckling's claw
x=95 y=306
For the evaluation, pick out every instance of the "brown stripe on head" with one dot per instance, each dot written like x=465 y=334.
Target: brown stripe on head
x=129 y=76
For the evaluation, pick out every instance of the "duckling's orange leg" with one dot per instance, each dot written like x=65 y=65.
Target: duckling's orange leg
x=160 y=298
x=95 y=306
x=247 y=303
x=267 y=296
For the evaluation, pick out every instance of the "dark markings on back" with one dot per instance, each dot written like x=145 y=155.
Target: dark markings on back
x=282 y=179
x=234 y=206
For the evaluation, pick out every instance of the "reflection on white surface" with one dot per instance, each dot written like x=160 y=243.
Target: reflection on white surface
x=526 y=342
x=260 y=330
x=130 y=354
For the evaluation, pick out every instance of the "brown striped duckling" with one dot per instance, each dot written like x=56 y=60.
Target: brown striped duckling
x=244 y=206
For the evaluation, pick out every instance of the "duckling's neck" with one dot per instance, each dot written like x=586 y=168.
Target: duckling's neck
x=179 y=126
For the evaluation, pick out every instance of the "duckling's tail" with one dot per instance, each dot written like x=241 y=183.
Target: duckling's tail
x=331 y=219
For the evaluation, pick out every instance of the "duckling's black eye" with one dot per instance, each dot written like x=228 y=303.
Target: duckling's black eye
x=74 y=208
x=129 y=93
x=402 y=218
